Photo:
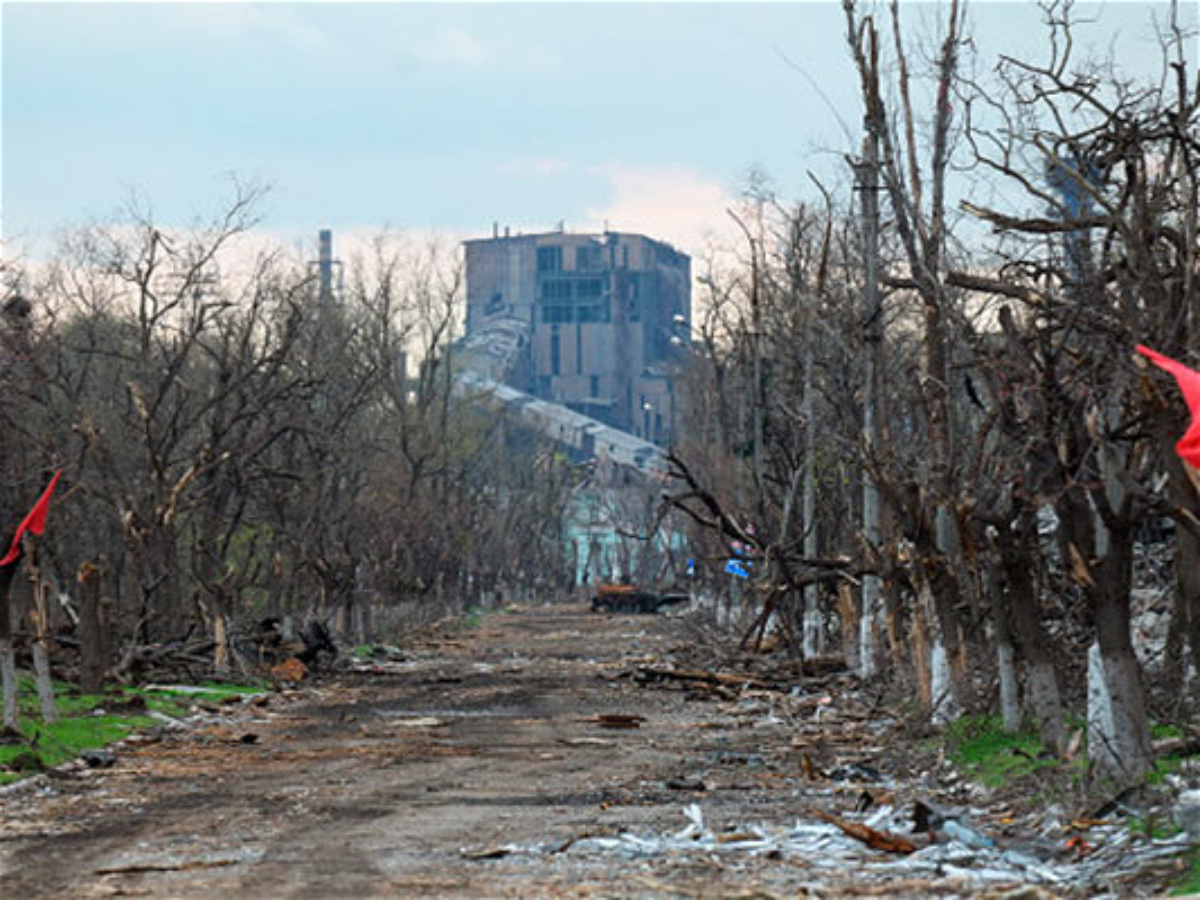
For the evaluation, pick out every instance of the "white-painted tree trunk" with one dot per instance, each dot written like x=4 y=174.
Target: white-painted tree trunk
x=8 y=676
x=866 y=626
x=812 y=642
x=1102 y=738
x=1115 y=745
x=45 y=686
x=944 y=708
x=1010 y=705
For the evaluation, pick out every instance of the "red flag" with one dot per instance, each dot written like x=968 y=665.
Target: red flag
x=1189 y=383
x=34 y=523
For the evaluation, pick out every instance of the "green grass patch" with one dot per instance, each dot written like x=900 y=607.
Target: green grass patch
x=49 y=745
x=95 y=720
x=472 y=618
x=1154 y=828
x=1189 y=882
x=981 y=747
x=1168 y=765
x=1172 y=762
x=1161 y=731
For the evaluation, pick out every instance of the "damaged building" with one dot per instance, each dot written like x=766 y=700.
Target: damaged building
x=592 y=322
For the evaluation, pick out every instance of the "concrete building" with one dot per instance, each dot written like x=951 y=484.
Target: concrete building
x=594 y=322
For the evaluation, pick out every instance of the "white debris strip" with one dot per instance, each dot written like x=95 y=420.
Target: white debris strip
x=974 y=865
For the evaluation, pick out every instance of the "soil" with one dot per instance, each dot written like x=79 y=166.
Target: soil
x=479 y=764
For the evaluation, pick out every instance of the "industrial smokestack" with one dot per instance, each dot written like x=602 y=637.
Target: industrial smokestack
x=325 y=265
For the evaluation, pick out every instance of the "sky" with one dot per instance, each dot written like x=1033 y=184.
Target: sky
x=445 y=118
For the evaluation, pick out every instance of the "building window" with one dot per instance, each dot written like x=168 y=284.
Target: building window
x=556 y=289
x=555 y=354
x=587 y=258
x=625 y=257
x=549 y=259
x=589 y=287
x=594 y=385
x=579 y=345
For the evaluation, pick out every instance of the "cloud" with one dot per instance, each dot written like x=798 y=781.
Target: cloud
x=672 y=203
x=534 y=167
x=455 y=48
x=138 y=26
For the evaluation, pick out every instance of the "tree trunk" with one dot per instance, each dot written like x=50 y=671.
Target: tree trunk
x=8 y=675
x=41 y=644
x=1042 y=694
x=91 y=631
x=849 y=614
x=220 y=631
x=1010 y=709
x=1118 y=730
x=45 y=686
x=1185 y=618
x=8 y=668
x=920 y=647
x=940 y=589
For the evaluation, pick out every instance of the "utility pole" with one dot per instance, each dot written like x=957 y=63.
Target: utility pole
x=868 y=176
x=811 y=642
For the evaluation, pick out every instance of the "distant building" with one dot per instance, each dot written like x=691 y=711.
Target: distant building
x=590 y=321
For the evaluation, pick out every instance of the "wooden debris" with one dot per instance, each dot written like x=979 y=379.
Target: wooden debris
x=686 y=784
x=183 y=866
x=419 y=722
x=876 y=840
x=484 y=852
x=585 y=742
x=616 y=720
x=652 y=674
x=289 y=670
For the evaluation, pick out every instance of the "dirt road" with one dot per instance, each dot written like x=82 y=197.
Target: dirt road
x=484 y=763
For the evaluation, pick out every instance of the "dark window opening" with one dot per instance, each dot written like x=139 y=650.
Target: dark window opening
x=587 y=258
x=589 y=287
x=549 y=259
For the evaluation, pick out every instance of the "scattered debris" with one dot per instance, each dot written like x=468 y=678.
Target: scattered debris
x=616 y=720
x=876 y=840
x=654 y=675
x=485 y=852
x=246 y=855
x=625 y=598
x=96 y=758
x=290 y=670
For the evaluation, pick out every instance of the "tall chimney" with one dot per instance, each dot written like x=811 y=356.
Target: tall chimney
x=325 y=265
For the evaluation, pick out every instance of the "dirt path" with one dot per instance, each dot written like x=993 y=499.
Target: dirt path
x=475 y=767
